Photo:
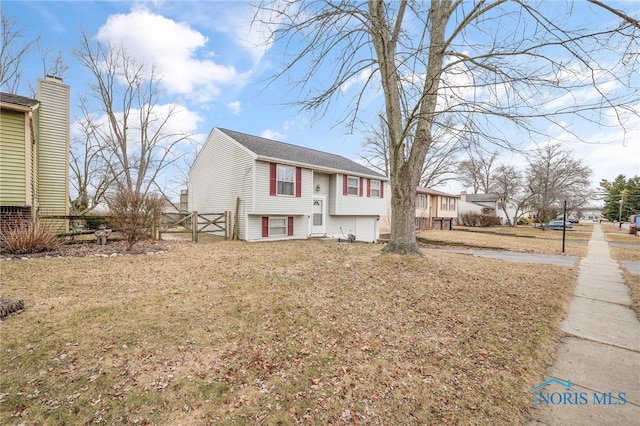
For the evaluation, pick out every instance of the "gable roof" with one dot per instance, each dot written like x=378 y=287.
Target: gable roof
x=480 y=198
x=18 y=102
x=429 y=191
x=271 y=149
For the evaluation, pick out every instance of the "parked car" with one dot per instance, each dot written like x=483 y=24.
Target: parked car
x=557 y=224
x=569 y=219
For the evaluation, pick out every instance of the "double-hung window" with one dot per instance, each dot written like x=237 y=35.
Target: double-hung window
x=444 y=203
x=422 y=201
x=286 y=180
x=353 y=185
x=375 y=188
x=277 y=226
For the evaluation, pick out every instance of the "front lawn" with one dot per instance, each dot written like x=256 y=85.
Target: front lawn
x=519 y=238
x=305 y=332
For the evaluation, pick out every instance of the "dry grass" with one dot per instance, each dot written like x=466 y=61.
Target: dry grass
x=633 y=281
x=613 y=233
x=520 y=238
x=277 y=333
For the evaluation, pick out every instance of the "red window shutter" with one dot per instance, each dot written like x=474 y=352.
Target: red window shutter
x=265 y=226
x=361 y=186
x=298 y=182
x=272 y=179
x=381 y=189
x=290 y=225
x=368 y=187
x=345 y=191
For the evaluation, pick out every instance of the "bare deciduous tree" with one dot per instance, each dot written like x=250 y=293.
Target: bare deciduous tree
x=133 y=133
x=455 y=59
x=477 y=171
x=90 y=174
x=554 y=176
x=439 y=165
x=15 y=46
x=508 y=185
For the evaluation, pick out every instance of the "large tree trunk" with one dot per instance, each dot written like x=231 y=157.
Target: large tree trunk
x=403 y=213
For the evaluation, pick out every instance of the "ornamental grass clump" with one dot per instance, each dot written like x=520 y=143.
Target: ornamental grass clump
x=27 y=237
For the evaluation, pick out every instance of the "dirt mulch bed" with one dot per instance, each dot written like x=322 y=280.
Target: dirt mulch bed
x=89 y=249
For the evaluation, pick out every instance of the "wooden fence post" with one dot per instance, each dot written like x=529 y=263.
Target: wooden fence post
x=226 y=224
x=194 y=226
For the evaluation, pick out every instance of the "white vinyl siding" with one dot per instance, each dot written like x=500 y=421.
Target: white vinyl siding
x=365 y=228
x=349 y=205
x=222 y=172
x=254 y=228
x=322 y=180
x=269 y=205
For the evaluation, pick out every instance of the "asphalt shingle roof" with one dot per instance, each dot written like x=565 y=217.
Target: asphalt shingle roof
x=479 y=198
x=298 y=154
x=429 y=191
x=22 y=101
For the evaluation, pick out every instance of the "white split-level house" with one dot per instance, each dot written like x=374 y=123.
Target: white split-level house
x=286 y=191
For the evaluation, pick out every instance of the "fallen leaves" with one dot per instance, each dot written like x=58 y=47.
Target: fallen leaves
x=283 y=332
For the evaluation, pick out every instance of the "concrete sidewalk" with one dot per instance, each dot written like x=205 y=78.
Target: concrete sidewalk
x=597 y=366
x=514 y=256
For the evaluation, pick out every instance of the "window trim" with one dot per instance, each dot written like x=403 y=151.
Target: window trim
x=357 y=186
x=292 y=181
x=273 y=180
x=372 y=189
x=420 y=205
x=267 y=226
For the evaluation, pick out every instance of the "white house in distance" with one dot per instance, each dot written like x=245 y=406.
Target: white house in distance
x=285 y=191
x=484 y=204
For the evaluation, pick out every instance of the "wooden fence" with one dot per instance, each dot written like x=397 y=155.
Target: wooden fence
x=195 y=223
x=168 y=223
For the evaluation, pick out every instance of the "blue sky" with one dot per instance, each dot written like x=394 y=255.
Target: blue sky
x=216 y=69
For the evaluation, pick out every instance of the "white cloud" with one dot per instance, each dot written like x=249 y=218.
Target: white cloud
x=174 y=48
x=273 y=134
x=361 y=78
x=235 y=107
x=250 y=27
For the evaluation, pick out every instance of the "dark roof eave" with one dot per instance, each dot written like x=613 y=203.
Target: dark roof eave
x=18 y=103
x=429 y=191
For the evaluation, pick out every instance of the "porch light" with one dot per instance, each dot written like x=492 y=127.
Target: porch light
x=318 y=188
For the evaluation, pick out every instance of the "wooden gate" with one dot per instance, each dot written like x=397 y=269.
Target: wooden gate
x=195 y=223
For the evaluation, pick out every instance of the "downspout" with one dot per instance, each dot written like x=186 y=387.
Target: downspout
x=34 y=169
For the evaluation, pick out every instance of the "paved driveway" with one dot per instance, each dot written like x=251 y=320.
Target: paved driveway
x=632 y=266
x=511 y=256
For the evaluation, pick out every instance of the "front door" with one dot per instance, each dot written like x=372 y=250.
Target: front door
x=318 y=226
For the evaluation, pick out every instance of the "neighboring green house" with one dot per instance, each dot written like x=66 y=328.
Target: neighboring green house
x=34 y=155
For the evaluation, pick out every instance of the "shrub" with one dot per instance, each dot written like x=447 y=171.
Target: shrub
x=28 y=237
x=94 y=221
x=133 y=214
x=479 y=219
